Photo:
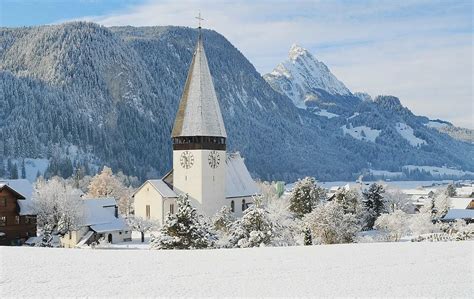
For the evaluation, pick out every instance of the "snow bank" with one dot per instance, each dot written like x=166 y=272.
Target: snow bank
x=361 y=133
x=426 y=269
x=439 y=171
x=436 y=124
x=325 y=113
x=408 y=134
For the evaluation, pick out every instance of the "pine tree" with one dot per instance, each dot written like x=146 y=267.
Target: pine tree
x=305 y=196
x=374 y=203
x=254 y=229
x=23 y=169
x=14 y=172
x=183 y=230
x=451 y=190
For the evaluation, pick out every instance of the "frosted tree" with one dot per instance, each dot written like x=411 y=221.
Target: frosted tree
x=442 y=203
x=183 y=230
x=395 y=199
x=330 y=225
x=223 y=219
x=141 y=225
x=421 y=223
x=451 y=190
x=305 y=196
x=350 y=200
x=105 y=185
x=394 y=225
x=58 y=206
x=254 y=229
x=374 y=203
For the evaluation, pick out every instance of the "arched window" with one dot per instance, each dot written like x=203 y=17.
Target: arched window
x=243 y=205
x=232 y=206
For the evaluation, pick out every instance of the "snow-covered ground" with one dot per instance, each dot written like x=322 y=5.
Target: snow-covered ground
x=443 y=269
x=361 y=132
x=325 y=113
x=441 y=171
x=408 y=134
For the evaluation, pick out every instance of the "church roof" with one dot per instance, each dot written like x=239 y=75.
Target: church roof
x=199 y=113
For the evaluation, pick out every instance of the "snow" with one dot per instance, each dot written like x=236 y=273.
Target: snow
x=163 y=189
x=385 y=173
x=460 y=202
x=408 y=134
x=405 y=269
x=239 y=183
x=441 y=171
x=436 y=124
x=353 y=115
x=325 y=113
x=363 y=133
x=32 y=167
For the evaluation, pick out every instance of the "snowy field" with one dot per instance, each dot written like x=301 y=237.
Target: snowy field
x=443 y=269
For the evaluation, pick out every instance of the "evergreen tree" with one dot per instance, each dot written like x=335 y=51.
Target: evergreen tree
x=14 y=172
x=183 y=230
x=374 y=203
x=23 y=169
x=451 y=190
x=305 y=196
x=254 y=229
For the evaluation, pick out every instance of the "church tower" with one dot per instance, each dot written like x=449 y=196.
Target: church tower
x=199 y=139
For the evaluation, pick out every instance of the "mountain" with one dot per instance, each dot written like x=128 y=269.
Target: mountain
x=309 y=82
x=79 y=94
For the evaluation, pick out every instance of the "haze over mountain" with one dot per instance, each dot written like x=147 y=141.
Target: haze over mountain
x=79 y=93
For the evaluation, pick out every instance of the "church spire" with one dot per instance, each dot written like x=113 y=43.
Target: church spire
x=199 y=113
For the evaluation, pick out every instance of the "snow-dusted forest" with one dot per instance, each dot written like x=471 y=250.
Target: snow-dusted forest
x=82 y=95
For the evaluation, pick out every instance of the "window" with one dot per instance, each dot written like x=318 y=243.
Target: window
x=4 y=200
x=232 y=206
x=120 y=233
x=243 y=205
x=27 y=220
x=17 y=219
x=171 y=208
x=147 y=212
x=3 y=220
x=70 y=236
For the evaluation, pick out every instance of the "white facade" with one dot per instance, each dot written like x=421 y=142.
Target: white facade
x=205 y=185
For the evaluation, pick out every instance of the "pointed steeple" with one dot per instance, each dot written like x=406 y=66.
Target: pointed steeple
x=199 y=113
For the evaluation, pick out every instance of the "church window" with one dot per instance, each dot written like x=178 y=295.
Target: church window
x=171 y=208
x=232 y=206
x=17 y=219
x=243 y=205
x=147 y=211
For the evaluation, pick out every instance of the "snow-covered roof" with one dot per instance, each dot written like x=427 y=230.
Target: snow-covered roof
x=99 y=214
x=459 y=214
x=460 y=202
x=24 y=188
x=239 y=183
x=199 y=113
x=163 y=188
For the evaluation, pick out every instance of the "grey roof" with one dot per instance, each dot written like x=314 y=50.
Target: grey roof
x=459 y=214
x=199 y=113
x=163 y=188
x=99 y=214
x=239 y=183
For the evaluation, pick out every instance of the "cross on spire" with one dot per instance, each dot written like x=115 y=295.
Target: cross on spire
x=200 y=19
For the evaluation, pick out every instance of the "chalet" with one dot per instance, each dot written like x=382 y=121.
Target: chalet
x=100 y=221
x=17 y=216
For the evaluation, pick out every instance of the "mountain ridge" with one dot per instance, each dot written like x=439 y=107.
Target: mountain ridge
x=102 y=95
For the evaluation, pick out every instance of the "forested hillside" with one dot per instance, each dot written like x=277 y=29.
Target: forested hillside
x=84 y=95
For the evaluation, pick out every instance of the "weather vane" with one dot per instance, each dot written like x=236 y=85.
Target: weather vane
x=200 y=19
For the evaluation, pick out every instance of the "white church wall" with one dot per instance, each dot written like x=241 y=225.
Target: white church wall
x=147 y=195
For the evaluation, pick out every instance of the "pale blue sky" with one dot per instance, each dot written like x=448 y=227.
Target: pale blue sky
x=419 y=50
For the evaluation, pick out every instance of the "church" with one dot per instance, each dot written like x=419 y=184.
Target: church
x=202 y=168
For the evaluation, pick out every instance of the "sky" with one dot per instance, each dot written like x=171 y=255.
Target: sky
x=418 y=50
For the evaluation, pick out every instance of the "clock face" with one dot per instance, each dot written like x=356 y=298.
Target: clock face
x=187 y=160
x=214 y=159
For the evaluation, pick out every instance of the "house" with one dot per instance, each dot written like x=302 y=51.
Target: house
x=17 y=216
x=100 y=219
x=202 y=169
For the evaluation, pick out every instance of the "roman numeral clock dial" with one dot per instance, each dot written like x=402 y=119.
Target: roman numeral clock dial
x=186 y=160
x=214 y=159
